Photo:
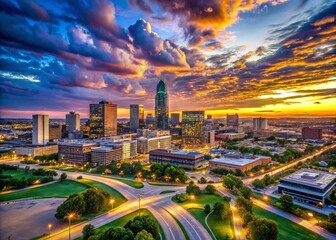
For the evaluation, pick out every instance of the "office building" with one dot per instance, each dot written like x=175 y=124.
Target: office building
x=55 y=132
x=232 y=120
x=243 y=163
x=105 y=155
x=311 y=133
x=192 y=127
x=103 y=119
x=145 y=145
x=40 y=129
x=230 y=136
x=309 y=186
x=36 y=150
x=73 y=121
x=162 y=106
x=259 y=123
x=210 y=137
x=75 y=152
x=175 y=119
x=190 y=160
x=136 y=116
x=209 y=117
x=150 y=121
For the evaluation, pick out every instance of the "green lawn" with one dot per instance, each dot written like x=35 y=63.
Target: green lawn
x=167 y=191
x=17 y=174
x=57 y=190
x=120 y=222
x=117 y=196
x=287 y=229
x=164 y=184
x=129 y=182
x=220 y=228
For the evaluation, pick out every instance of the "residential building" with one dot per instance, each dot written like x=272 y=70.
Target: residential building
x=162 y=106
x=145 y=145
x=232 y=120
x=105 y=155
x=73 y=121
x=75 y=152
x=136 y=116
x=175 y=119
x=103 y=119
x=259 y=123
x=33 y=151
x=243 y=163
x=40 y=129
x=311 y=133
x=55 y=132
x=192 y=127
x=309 y=186
x=190 y=160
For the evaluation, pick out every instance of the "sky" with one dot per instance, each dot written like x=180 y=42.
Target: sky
x=272 y=58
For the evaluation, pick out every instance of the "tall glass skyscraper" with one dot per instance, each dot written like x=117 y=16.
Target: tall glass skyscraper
x=162 y=106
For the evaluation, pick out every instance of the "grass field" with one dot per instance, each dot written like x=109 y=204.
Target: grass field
x=164 y=184
x=58 y=190
x=129 y=182
x=120 y=222
x=220 y=228
x=287 y=229
x=17 y=174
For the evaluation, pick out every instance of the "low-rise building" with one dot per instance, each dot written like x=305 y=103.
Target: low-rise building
x=105 y=155
x=224 y=136
x=75 y=152
x=242 y=163
x=179 y=158
x=308 y=186
x=145 y=145
x=31 y=150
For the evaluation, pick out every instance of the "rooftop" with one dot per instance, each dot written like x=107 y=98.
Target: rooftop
x=311 y=178
x=237 y=161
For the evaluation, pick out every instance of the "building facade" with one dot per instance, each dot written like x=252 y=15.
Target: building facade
x=175 y=119
x=150 y=121
x=55 y=132
x=309 y=186
x=190 y=160
x=311 y=133
x=145 y=145
x=162 y=106
x=232 y=120
x=193 y=127
x=103 y=119
x=40 y=129
x=105 y=155
x=36 y=150
x=136 y=116
x=73 y=121
x=259 y=123
x=75 y=152
x=243 y=163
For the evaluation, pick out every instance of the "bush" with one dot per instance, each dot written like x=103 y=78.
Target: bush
x=74 y=204
x=202 y=180
x=210 y=189
x=263 y=229
x=220 y=209
x=63 y=177
x=193 y=189
x=207 y=208
x=182 y=197
x=144 y=222
x=80 y=177
x=88 y=231
x=227 y=198
x=95 y=200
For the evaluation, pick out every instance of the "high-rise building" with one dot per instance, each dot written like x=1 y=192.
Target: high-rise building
x=192 y=127
x=175 y=119
x=232 y=120
x=145 y=145
x=40 y=129
x=311 y=133
x=259 y=123
x=162 y=106
x=55 y=132
x=136 y=116
x=103 y=119
x=73 y=121
x=150 y=121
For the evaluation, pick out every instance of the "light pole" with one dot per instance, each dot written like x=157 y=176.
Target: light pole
x=69 y=217
x=49 y=227
x=139 y=203
x=112 y=201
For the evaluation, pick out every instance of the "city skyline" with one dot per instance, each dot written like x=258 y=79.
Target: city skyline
x=259 y=59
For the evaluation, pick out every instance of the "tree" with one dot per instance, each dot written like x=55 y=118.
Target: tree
x=286 y=202
x=143 y=235
x=228 y=182
x=241 y=202
x=127 y=168
x=332 y=217
x=210 y=189
x=144 y=222
x=220 y=210
x=263 y=229
x=95 y=200
x=74 y=204
x=202 y=180
x=258 y=183
x=63 y=177
x=26 y=169
x=113 y=168
x=193 y=189
x=88 y=231
x=207 y=157
x=182 y=197
x=246 y=192
x=207 y=208
x=118 y=233
x=246 y=216
x=137 y=167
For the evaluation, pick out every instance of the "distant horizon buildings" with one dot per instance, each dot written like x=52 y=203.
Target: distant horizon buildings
x=260 y=123
x=311 y=133
x=162 y=106
x=72 y=119
x=103 y=119
x=193 y=127
x=40 y=129
x=137 y=116
x=232 y=120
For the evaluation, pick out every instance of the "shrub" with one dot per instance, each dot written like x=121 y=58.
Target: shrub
x=80 y=177
x=182 y=197
x=210 y=189
x=63 y=177
x=207 y=208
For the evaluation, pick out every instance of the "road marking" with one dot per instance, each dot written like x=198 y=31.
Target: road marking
x=164 y=221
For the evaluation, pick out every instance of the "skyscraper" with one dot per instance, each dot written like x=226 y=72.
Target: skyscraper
x=161 y=106
x=259 y=123
x=193 y=127
x=40 y=129
x=73 y=121
x=232 y=120
x=136 y=116
x=103 y=119
x=175 y=119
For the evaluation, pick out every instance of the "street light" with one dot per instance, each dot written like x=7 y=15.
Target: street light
x=139 y=203
x=69 y=218
x=112 y=201
x=265 y=198
x=310 y=214
x=49 y=228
